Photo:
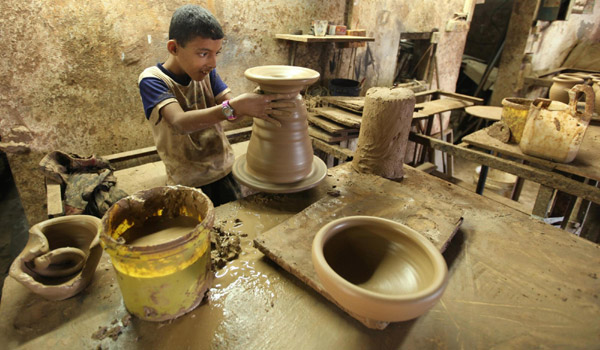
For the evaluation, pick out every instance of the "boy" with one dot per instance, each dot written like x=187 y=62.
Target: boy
x=185 y=101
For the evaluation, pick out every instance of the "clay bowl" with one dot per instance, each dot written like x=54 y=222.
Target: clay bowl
x=378 y=269
x=281 y=79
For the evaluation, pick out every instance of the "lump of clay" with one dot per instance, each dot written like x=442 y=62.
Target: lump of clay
x=60 y=257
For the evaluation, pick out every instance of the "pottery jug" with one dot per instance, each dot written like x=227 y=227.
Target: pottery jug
x=561 y=85
x=284 y=154
x=60 y=257
x=555 y=133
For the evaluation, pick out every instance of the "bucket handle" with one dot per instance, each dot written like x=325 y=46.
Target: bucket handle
x=589 y=101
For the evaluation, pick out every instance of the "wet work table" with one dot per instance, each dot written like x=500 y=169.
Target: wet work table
x=514 y=282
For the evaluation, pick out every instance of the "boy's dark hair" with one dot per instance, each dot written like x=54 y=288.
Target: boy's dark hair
x=191 y=21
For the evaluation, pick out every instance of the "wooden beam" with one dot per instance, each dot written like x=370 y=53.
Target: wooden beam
x=544 y=177
x=338 y=152
x=54 y=199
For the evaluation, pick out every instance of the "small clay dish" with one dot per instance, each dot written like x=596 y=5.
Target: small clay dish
x=378 y=269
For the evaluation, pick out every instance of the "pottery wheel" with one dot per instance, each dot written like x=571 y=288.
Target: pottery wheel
x=319 y=170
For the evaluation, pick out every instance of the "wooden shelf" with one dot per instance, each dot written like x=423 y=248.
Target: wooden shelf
x=323 y=39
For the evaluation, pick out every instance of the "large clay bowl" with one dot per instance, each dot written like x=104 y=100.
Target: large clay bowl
x=378 y=269
x=281 y=79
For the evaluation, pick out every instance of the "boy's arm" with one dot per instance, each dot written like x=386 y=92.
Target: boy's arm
x=250 y=104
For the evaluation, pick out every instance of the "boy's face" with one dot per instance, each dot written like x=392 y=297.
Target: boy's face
x=198 y=57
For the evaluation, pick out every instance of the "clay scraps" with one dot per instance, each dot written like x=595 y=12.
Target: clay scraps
x=88 y=182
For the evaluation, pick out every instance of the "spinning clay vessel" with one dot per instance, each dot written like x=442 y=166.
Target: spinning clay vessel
x=281 y=155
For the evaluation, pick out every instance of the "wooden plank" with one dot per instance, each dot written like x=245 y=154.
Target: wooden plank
x=328 y=125
x=486 y=112
x=354 y=104
x=338 y=115
x=289 y=243
x=586 y=164
x=136 y=153
x=544 y=177
x=475 y=100
x=542 y=201
x=439 y=106
x=323 y=39
x=338 y=152
x=239 y=135
x=234 y=135
x=320 y=134
x=54 y=199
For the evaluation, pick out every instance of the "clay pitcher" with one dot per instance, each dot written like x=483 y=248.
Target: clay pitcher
x=554 y=132
x=281 y=155
x=60 y=257
x=559 y=91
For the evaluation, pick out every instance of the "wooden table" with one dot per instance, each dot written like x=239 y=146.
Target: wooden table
x=514 y=282
x=584 y=170
x=493 y=113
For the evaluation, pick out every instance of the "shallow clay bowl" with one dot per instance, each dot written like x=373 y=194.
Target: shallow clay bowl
x=378 y=269
x=280 y=78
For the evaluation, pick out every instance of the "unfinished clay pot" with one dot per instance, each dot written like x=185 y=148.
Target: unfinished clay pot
x=559 y=91
x=281 y=155
x=60 y=257
x=378 y=268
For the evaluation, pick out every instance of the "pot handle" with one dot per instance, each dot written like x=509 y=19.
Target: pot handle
x=589 y=101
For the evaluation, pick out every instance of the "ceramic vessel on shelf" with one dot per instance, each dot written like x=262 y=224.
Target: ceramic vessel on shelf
x=555 y=132
x=60 y=257
x=281 y=155
x=561 y=85
x=378 y=269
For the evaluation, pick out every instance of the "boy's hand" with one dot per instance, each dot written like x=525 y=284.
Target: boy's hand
x=263 y=106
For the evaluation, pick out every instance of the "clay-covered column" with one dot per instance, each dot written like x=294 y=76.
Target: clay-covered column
x=384 y=132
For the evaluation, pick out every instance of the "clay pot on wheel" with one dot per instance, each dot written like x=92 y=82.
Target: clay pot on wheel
x=60 y=257
x=559 y=91
x=281 y=155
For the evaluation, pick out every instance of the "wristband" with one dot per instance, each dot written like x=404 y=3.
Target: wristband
x=228 y=111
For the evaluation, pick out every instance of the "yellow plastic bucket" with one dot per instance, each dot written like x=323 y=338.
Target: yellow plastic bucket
x=514 y=115
x=159 y=244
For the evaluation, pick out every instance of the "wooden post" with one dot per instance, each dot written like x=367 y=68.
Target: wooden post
x=384 y=130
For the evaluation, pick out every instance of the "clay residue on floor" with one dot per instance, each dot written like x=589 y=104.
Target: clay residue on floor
x=225 y=247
